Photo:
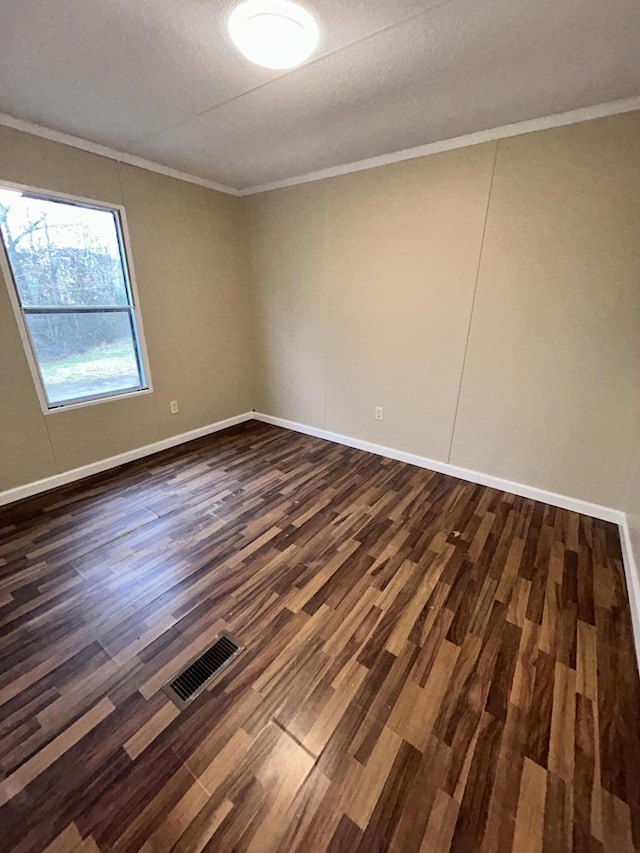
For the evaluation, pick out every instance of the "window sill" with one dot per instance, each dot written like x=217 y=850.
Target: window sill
x=81 y=404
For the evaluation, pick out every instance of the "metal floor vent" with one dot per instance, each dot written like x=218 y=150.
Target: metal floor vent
x=192 y=679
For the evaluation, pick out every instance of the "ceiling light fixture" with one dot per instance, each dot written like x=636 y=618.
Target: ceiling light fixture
x=273 y=33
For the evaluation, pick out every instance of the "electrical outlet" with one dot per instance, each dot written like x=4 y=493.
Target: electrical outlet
x=379 y=413
x=173 y=407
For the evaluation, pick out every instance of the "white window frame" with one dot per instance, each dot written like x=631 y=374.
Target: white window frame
x=130 y=279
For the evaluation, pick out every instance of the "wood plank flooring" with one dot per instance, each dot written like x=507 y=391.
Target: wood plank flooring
x=430 y=666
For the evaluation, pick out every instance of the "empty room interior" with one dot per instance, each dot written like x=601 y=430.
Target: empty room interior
x=319 y=426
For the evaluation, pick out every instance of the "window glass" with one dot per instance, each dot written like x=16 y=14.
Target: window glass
x=69 y=271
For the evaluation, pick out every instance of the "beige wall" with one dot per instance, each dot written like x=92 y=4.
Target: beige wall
x=189 y=254
x=551 y=390
x=363 y=284
x=368 y=285
x=487 y=297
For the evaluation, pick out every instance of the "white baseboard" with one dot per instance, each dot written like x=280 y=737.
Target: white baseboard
x=29 y=489
x=536 y=494
x=633 y=583
x=574 y=504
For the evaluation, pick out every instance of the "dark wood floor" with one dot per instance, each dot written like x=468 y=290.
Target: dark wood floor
x=430 y=664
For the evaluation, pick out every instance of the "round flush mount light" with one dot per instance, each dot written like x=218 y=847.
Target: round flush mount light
x=273 y=33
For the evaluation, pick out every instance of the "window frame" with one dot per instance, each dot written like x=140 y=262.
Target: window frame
x=133 y=309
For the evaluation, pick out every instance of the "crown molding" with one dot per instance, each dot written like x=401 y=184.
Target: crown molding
x=7 y=120
x=611 y=108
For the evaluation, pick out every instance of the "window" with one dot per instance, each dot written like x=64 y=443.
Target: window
x=69 y=282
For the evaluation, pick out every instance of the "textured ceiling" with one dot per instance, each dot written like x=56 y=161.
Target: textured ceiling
x=160 y=79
